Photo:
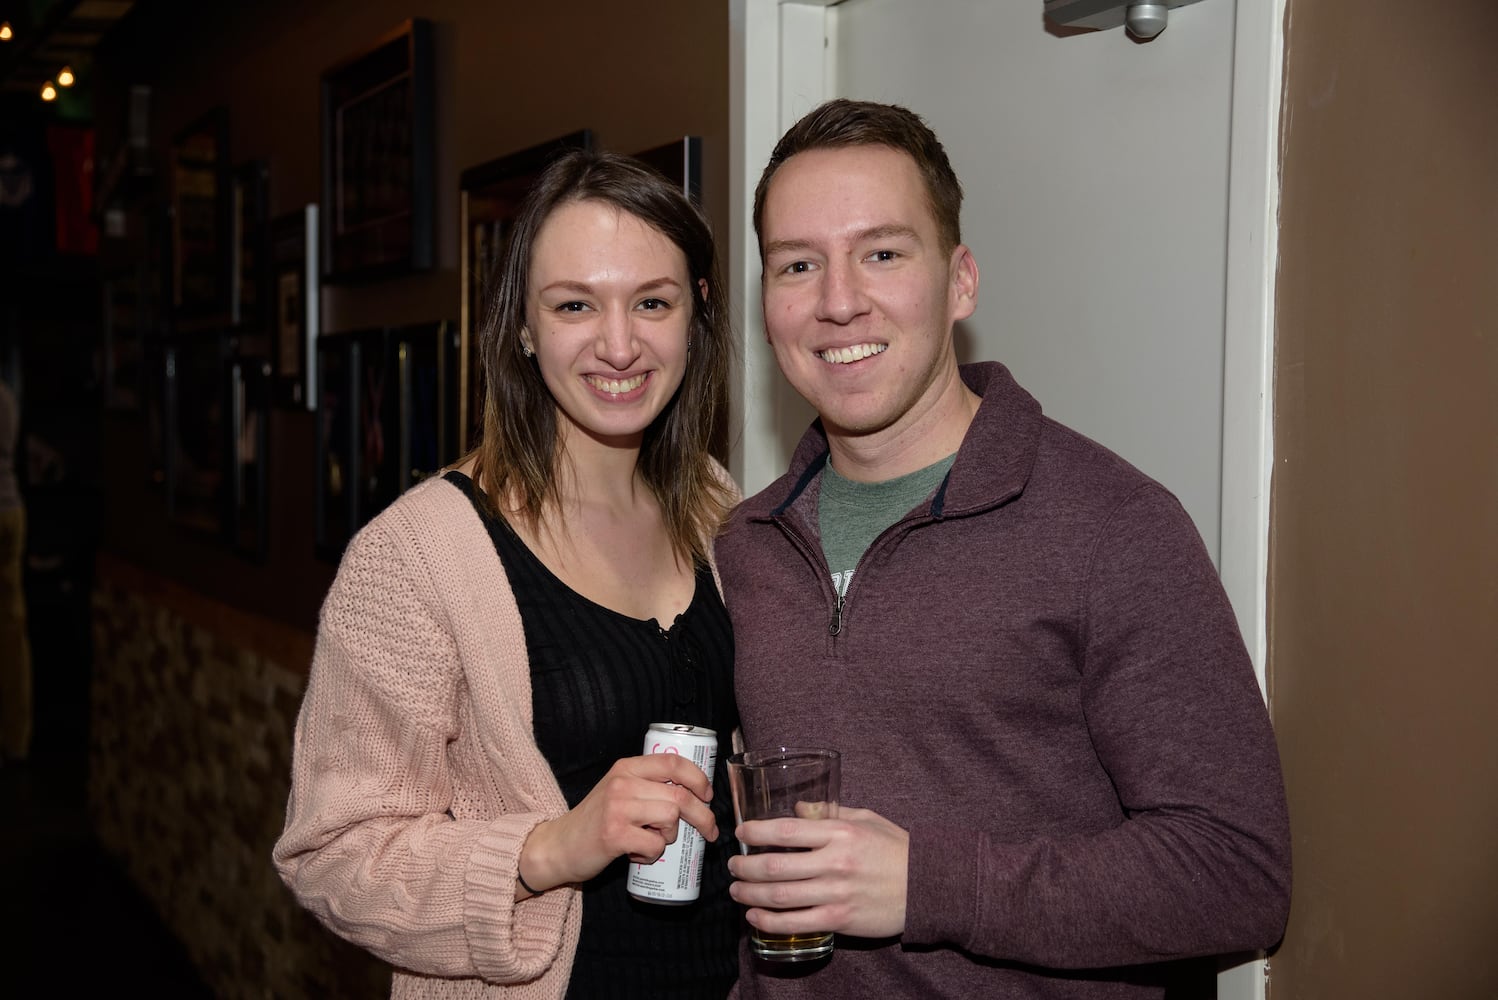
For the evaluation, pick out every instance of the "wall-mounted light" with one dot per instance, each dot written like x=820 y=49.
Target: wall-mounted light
x=1144 y=19
x=49 y=92
x=5 y=33
x=65 y=77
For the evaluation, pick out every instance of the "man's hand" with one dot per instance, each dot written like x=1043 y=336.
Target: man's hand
x=845 y=875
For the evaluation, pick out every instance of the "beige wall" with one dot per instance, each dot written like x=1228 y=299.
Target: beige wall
x=1384 y=526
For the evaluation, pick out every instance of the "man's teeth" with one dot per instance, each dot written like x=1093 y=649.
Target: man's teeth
x=848 y=355
x=614 y=386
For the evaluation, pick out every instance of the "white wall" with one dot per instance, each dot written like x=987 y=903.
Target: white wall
x=1096 y=172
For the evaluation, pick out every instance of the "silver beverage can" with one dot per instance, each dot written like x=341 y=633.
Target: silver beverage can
x=676 y=877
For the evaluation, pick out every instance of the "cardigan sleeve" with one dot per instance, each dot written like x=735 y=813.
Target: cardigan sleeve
x=1199 y=862
x=370 y=845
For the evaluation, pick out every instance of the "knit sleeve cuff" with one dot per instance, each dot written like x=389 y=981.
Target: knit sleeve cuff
x=941 y=904
x=511 y=942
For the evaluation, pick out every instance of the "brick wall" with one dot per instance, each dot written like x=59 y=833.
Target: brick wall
x=193 y=706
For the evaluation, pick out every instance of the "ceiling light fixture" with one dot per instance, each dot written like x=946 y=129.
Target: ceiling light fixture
x=65 y=77
x=49 y=92
x=5 y=33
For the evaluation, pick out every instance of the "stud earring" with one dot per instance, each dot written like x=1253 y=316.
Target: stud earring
x=526 y=350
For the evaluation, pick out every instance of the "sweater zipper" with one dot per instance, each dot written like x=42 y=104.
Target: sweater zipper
x=813 y=554
x=835 y=627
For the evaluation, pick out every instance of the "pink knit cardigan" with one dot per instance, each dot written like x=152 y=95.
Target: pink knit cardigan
x=415 y=776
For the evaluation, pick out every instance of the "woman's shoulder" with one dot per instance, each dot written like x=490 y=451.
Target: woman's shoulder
x=421 y=532
x=437 y=503
x=725 y=479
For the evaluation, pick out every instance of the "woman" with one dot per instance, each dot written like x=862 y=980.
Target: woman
x=467 y=785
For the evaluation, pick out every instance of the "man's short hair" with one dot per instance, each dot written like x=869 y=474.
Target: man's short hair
x=839 y=123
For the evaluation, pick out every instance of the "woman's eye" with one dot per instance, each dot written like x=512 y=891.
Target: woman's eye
x=571 y=307
x=651 y=304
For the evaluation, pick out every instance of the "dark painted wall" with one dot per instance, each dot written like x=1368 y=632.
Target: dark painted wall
x=1384 y=549
x=508 y=76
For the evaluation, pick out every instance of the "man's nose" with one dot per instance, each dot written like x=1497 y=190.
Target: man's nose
x=842 y=297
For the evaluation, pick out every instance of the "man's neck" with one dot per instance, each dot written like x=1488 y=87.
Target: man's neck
x=924 y=436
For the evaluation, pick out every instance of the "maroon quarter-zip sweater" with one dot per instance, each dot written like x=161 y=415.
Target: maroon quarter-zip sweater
x=1037 y=674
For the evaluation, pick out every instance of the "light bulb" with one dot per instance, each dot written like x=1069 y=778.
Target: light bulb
x=65 y=77
x=5 y=33
x=49 y=92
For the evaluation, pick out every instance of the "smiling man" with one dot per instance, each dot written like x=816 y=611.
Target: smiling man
x=1059 y=777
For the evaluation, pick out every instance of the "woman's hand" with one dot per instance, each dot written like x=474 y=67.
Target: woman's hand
x=633 y=811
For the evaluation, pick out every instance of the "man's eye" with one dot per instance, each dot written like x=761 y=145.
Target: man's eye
x=797 y=267
x=884 y=255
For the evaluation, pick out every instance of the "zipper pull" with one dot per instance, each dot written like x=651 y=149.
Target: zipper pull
x=837 y=617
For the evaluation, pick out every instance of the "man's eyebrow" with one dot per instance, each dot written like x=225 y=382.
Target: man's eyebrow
x=889 y=231
x=786 y=246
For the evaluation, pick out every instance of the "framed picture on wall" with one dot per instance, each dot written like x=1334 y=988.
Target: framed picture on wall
x=197 y=431
x=426 y=357
x=378 y=158
x=337 y=435
x=377 y=472
x=680 y=161
x=295 y=308
x=249 y=290
x=250 y=381
x=201 y=219
x=489 y=195
x=126 y=322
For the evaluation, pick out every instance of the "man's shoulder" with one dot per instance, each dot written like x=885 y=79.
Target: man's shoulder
x=755 y=507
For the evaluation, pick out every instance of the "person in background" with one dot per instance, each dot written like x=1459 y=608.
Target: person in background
x=468 y=783
x=15 y=648
x=1058 y=773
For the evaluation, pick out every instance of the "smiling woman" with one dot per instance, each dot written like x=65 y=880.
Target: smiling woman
x=610 y=310
x=499 y=640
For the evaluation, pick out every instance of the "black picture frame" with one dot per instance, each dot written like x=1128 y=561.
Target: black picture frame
x=198 y=432
x=201 y=222
x=296 y=308
x=376 y=465
x=250 y=298
x=679 y=161
x=250 y=389
x=378 y=158
x=489 y=195
x=337 y=433
x=387 y=420
x=426 y=358
x=126 y=325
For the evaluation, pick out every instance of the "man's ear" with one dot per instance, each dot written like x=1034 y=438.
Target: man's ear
x=963 y=296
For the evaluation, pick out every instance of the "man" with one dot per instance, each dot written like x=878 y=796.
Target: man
x=1058 y=775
